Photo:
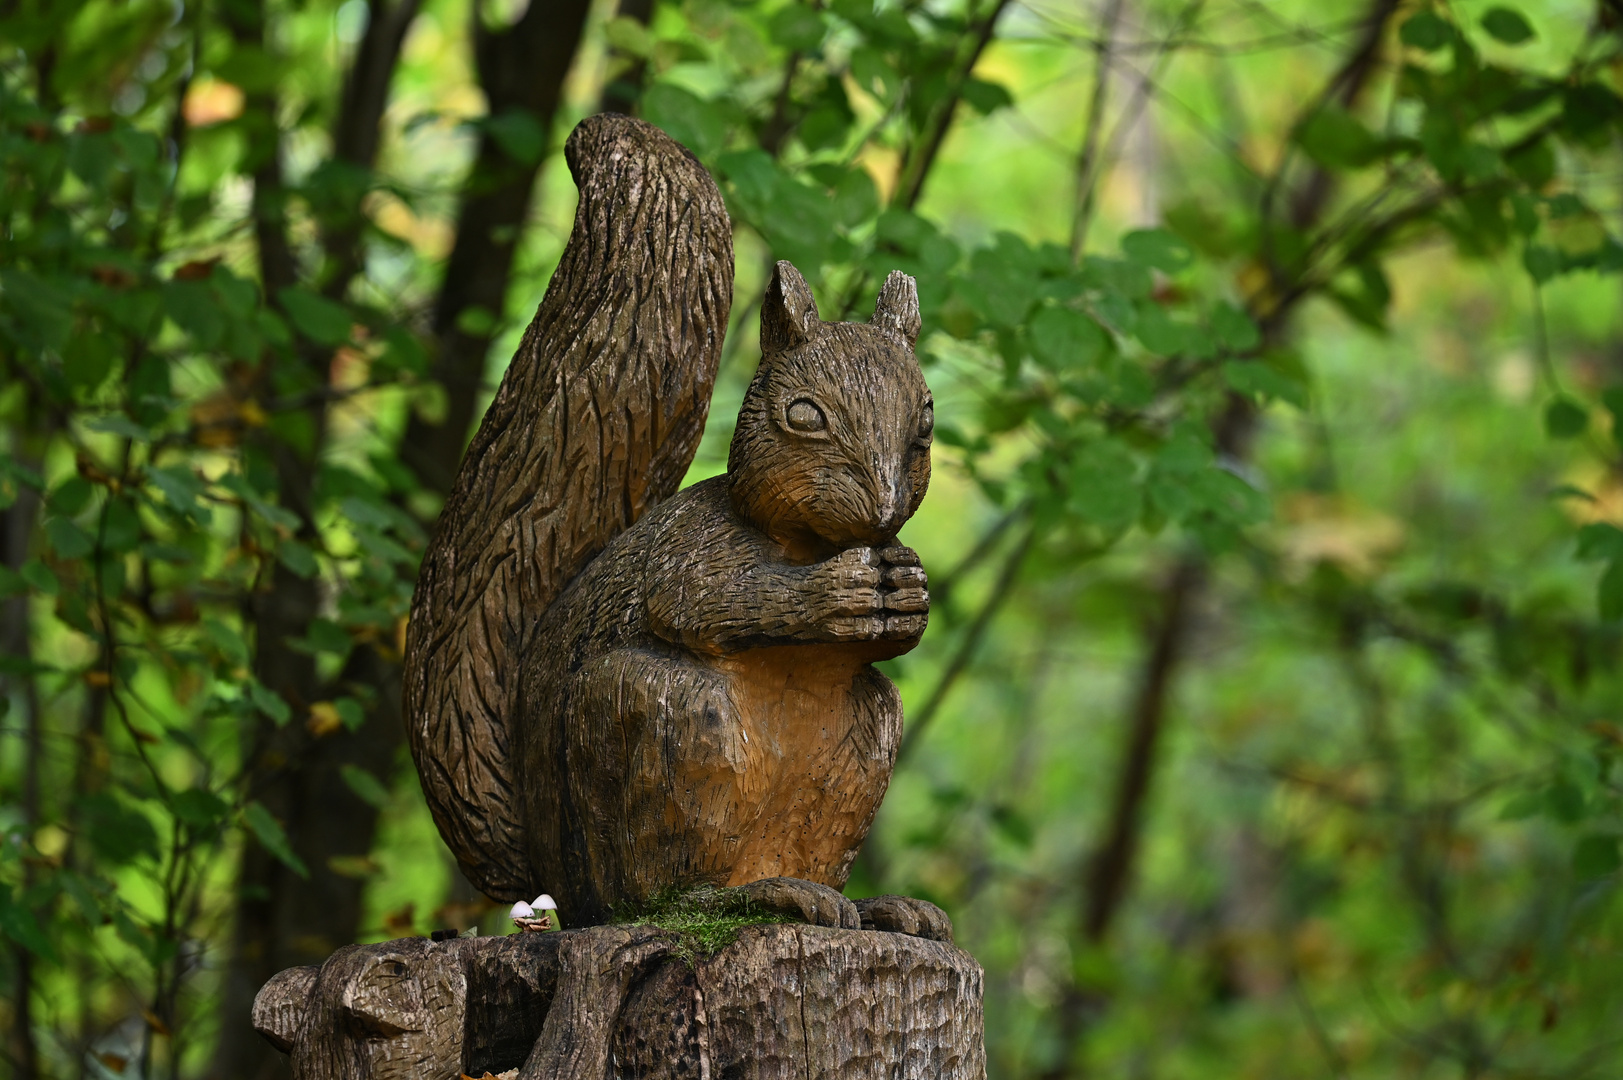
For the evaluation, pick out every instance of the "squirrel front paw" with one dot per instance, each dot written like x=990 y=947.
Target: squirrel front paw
x=808 y=901
x=905 y=915
x=866 y=594
x=906 y=593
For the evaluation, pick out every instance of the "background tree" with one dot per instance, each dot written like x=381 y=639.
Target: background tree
x=1268 y=713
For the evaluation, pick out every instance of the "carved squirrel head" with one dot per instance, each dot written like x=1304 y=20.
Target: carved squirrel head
x=832 y=448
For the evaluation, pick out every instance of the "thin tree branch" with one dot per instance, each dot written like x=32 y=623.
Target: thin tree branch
x=357 y=131
x=917 y=163
x=1093 y=129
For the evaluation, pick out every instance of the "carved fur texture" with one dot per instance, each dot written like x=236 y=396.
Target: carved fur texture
x=597 y=419
x=606 y=702
x=700 y=704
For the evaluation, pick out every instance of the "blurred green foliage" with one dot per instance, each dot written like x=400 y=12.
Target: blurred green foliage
x=1268 y=718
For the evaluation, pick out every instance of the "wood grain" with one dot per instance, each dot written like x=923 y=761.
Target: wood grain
x=783 y=1001
x=613 y=688
x=700 y=705
x=596 y=420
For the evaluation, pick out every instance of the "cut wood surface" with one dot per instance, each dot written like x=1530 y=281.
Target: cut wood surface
x=783 y=1001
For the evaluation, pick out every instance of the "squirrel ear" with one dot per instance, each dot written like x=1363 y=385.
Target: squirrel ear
x=897 y=311
x=788 y=313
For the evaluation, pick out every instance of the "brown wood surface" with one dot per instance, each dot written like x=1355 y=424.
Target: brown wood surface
x=700 y=704
x=783 y=1001
x=613 y=688
x=596 y=420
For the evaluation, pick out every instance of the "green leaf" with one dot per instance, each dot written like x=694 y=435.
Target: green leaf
x=42 y=307
x=1334 y=137
x=71 y=496
x=117 y=831
x=873 y=74
x=182 y=488
x=120 y=526
x=297 y=557
x=1157 y=248
x=1542 y=263
x=193 y=307
x=67 y=539
x=368 y=787
x=855 y=197
x=87 y=360
x=1104 y=487
x=199 y=807
x=797 y=27
x=476 y=321
x=519 y=133
x=1426 y=31
x=1534 y=164
x=1595 y=856
x=38 y=575
x=21 y=926
x=324 y=635
x=224 y=639
x=1600 y=540
x=1588 y=111
x=119 y=424
x=1564 y=801
x=316 y=317
x=1612 y=398
x=1257 y=379
x=1166 y=336
x=1522 y=806
x=1064 y=339
x=1507 y=25
x=986 y=97
x=1002 y=282
x=1234 y=329
x=690 y=120
x=629 y=36
x=1609 y=596
x=1228 y=497
x=350 y=713
x=269 y=702
x=1564 y=418
x=268 y=831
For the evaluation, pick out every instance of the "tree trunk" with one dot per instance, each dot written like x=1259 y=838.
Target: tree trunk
x=781 y=1001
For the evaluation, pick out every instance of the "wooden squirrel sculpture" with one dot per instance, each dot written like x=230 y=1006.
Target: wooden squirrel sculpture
x=613 y=687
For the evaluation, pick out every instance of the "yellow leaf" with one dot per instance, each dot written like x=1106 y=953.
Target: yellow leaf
x=323 y=719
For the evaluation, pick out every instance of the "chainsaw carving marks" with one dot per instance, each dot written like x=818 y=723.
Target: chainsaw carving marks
x=613 y=687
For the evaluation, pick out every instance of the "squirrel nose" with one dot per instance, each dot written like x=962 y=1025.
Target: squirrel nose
x=889 y=484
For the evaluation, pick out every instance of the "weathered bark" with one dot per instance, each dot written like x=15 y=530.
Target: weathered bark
x=781 y=1001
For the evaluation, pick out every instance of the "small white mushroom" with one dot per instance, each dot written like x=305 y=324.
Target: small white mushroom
x=521 y=910
x=544 y=903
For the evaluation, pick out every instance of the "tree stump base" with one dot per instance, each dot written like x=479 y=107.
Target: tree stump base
x=623 y=1002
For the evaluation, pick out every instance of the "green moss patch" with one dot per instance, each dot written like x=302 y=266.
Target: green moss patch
x=705 y=919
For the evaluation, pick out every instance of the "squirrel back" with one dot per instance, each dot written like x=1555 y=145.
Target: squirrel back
x=596 y=421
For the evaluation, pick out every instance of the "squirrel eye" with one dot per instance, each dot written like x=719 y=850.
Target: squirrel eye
x=927 y=420
x=804 y=416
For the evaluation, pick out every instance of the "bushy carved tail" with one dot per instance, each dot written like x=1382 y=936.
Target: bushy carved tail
x=596 y=420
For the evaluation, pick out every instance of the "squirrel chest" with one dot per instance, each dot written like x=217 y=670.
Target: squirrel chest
x=693 y=743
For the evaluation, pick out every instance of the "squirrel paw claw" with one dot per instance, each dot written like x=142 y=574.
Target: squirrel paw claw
x=816 y=904
x=905 y=915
